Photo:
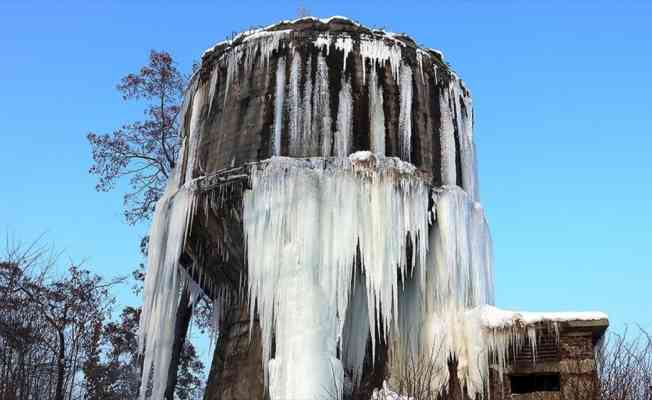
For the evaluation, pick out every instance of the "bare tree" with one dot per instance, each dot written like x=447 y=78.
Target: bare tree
x=45 y=321
x=56 y=340
x=143 y=151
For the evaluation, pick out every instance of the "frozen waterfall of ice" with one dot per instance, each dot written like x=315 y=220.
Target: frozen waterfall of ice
x=305 y=221
x=459 y=276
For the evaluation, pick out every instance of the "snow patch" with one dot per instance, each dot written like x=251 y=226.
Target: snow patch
x=496 y=318
x=387 y=394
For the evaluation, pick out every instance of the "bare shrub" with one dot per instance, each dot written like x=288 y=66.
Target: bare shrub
x=624 y=366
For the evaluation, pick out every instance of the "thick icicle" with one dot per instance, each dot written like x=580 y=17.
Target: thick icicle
x=279 y=100
x=356 y=330
x=344 y=44
x=376 y=113
x=464 y=118
x=461 y=251
x=447 y=140
x=321 y=111
x=212 y=87
x=321 y=107
x=168 y=233
x=405 y=113
x=295 y=108
x=194 y=132
x=344 y=120
x=310 y=141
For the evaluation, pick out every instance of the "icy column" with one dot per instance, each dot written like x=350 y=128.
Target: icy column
x=376 y=113
x=321 y=107
x=405 y=115
x=294 y=101
x=447 y=140
x=464 y=119
x=278 y=106
x=344 y=120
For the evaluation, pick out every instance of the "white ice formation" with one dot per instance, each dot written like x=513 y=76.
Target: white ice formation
x=167 y=238
x=306 y=221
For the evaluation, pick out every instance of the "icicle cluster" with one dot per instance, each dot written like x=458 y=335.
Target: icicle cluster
x=377 y=51
x=456 y=118
x=309 y=112
x=305 y=221
x=265 y=42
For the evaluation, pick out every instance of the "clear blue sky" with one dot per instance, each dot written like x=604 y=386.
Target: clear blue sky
x=563 y=117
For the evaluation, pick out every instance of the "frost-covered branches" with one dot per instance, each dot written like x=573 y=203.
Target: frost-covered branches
x=142 y=151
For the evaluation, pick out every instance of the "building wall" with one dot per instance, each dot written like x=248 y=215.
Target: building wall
x=575 y=366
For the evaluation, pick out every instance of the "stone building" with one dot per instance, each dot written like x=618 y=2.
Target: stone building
x=563 y=365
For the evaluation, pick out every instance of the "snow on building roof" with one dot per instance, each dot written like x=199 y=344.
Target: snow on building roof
x=496 y=318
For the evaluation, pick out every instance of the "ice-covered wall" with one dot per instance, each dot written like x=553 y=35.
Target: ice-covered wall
x=311 y=87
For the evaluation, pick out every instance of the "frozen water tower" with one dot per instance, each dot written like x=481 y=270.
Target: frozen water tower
x=326 y=202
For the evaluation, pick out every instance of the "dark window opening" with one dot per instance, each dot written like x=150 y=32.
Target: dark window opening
x=535 y=383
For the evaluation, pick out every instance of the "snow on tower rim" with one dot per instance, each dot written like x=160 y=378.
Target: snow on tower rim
x=333 y=24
